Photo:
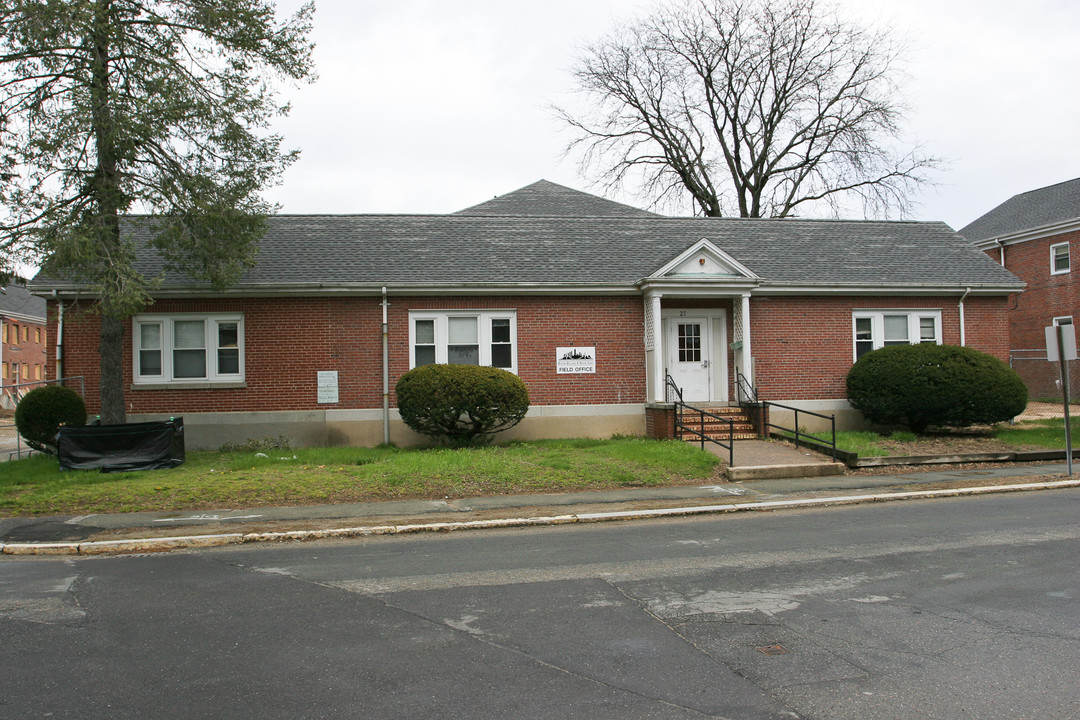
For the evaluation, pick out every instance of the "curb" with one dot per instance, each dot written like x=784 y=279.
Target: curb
x=145 y=545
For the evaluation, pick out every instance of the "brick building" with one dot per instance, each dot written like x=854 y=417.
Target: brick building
x=23 y=341
x=592 y=303
x=1035 y=235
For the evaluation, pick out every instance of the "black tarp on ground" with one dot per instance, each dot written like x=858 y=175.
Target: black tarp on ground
x=113 y=448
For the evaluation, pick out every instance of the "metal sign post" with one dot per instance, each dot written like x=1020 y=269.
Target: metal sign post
x=1061 y=347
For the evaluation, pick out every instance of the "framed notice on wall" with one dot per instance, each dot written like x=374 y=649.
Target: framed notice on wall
x=328 y=386
x=575 y=360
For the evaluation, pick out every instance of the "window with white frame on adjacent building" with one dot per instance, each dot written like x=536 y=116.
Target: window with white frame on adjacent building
x=463 y=337
x=1059 y=258
x=874 y=329
x=189 y=348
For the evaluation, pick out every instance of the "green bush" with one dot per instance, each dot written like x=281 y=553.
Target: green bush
x=942 y=385
x=461 y=404
x=43 y=410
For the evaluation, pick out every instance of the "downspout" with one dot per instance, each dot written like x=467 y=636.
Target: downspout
x=385 y=371
x=963 y=335
x=59 y=336
x=1001 y=251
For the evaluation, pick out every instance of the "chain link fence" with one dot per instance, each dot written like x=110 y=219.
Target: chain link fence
x=1043 y=380
x=11 y=445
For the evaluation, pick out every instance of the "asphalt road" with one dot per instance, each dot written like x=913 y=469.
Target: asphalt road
x=926 y=609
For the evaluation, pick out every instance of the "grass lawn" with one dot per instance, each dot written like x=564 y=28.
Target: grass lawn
x=215 y=479
x=1031 y=434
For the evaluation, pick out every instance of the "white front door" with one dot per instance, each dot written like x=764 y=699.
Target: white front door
x=689 y=350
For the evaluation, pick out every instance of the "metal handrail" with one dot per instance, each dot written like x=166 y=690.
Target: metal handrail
x=798 y=434
x=681 y=427
x=745 y=390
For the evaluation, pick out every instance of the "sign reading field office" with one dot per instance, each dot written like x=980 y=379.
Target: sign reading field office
x=575 y=360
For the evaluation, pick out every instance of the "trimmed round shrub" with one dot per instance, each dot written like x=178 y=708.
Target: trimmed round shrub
x=941 y=385
x=43 y=410
x=461 y=404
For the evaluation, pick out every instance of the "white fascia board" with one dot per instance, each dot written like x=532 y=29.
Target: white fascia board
x=706 y=246
x=20 y=317
x=1036 y=233
x=881 y=289
x=684 y=287
x=375 y=289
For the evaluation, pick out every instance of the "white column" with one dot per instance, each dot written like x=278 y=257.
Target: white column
x=745 y=365
x=654 y=348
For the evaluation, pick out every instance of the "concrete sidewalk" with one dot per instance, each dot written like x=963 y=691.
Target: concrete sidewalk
x=139 y=532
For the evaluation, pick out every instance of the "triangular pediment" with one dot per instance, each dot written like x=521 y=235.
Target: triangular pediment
x=704 y=260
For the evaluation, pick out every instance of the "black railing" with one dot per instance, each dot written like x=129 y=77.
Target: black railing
x=673 y=394
x=796 y=433
x=745 y=392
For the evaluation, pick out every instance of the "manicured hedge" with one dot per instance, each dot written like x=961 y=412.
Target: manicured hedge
x=43 y=410
x=941 y=385
x=461 y=404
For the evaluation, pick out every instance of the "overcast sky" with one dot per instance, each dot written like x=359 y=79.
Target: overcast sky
x=430 y=106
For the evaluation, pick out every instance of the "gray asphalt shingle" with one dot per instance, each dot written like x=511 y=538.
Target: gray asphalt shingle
x=462 y=249
x=1035 y=208
x=554 y=235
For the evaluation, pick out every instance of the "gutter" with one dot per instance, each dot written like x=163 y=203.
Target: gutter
x=385 y=370
x=59 y=337
x=963 y=334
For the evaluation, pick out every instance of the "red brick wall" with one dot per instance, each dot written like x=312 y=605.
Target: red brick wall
x=288 y=340
x=1046 y=296
x=29 y=353
x=803 y=346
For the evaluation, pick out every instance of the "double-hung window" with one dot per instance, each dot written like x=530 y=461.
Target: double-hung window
x=189 y=348
x=1059 y=258
x=874 y=329
x=464 y=337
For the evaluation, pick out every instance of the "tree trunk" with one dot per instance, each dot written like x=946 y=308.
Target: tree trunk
x=106 y=224
x=113 y=411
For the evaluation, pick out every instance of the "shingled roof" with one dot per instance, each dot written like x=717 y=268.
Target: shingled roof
x=16 y=301
x=1033 y=209
x=548 y=199
x=327 y=253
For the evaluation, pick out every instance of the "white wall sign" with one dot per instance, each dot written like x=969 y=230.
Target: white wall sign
x=328 y=391
x=575 y=360
x=1068 y=341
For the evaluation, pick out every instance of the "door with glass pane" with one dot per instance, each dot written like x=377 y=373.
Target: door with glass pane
x=688 y=357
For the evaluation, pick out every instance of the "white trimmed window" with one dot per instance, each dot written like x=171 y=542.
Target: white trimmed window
x=463 y=337
x=1059 y=258
x=189 y=348
x=1063 y=320
x=874 y=329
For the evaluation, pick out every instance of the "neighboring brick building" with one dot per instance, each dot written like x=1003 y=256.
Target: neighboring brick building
x=592 y=303
x=1036 y=236
x=22 y=342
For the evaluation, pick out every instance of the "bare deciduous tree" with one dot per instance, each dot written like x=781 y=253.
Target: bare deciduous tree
x=756 y=108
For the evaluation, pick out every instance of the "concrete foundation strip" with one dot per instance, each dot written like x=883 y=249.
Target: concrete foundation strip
x=143 y=545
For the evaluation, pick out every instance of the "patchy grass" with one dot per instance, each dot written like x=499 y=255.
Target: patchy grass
x=1028 y=435
x=1048 y=433
x=243 y=478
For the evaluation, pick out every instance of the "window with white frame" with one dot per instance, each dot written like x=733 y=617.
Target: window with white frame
x=1063 y=320
x=874 y=329
x=1059 y=258
x=189 y=348
x=463 y=337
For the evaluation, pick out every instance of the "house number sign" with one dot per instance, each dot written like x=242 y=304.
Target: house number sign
x=575 y=360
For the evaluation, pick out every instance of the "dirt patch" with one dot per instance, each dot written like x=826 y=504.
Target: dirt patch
x=951 y=444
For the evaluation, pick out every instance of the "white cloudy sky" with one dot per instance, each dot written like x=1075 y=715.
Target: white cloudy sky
x=429 y=106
